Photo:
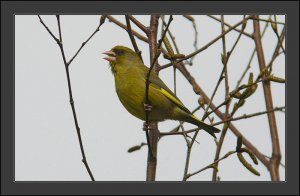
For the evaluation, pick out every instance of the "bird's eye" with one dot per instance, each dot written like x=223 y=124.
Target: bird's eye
x=119 y=52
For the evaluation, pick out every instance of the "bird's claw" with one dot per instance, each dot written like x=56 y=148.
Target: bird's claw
x=147 y=107
x=146 y=127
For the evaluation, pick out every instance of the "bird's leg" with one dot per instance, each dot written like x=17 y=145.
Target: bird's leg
x=148 y=108
x=146 y=127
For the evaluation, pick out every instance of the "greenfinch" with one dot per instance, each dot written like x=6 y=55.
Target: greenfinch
x=130 y=82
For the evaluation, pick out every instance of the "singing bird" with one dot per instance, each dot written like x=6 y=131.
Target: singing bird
x=130 y=81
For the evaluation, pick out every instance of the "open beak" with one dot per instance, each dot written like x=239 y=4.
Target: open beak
x=111 y=56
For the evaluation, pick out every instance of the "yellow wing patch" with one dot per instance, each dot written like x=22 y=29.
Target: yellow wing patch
x=174 y=100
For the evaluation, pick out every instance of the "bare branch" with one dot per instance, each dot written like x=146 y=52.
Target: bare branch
x=245 y=116
x=237 y=30
x=154 y=133
x=251 y=58
x=88 y=39
x=207 y=45
x=274 y=163
x=199 y=91
x=136 y=34
x=132 y=38
x=139 y=24
x=60 y=44
x=266 y=20
x=212 y=164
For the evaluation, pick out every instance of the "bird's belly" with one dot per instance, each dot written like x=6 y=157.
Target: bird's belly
x=132 y=96
x=133 y=103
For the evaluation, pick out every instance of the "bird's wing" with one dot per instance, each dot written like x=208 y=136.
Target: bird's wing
x=159 y=84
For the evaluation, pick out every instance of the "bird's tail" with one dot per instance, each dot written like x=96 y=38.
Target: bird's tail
x=208 y=128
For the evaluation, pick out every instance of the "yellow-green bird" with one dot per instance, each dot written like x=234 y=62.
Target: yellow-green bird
x=130 y=81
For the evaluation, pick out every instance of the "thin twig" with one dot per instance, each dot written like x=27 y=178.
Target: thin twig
x=139 y=24
x=246 y=116
x=225 y=58
x=225 y=62
x=171 y=36
x=198 y=90
x=276 y=52
x=207 y=45
x=212 y=164
x=178 y=133
x=195 y=44
x=85 y=42
x=251 y=58
x=60 y=44
x=49 y=31
x=267 y=20
x=277 y=35
x=176 y=48
x=231 y=94
x=279 y=41
x=213 y=94
x=136 y=48
x=187 y=162
x=237 y=30
x=136 y=34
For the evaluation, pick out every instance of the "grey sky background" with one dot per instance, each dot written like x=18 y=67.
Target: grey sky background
x=46 y=143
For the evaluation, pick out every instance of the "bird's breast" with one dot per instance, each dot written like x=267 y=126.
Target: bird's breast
x=131 y=92
x=131 y=89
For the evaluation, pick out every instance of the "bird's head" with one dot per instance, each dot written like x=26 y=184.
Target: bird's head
x=121 y=56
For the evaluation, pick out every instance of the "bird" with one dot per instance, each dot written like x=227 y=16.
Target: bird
x=130 y=75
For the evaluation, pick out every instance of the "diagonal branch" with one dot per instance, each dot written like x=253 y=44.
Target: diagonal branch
x=102 y=19
x=136 y=34
x=198 y=90
x=245 y=116
x=226 y=24
x=138 y=23
x=208 y=44
x=136 y=48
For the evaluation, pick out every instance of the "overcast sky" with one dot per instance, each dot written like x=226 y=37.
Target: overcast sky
x=46 y=143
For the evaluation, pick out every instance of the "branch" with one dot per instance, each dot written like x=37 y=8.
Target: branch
x=245 y=116
x=136 y=34
x=276 y=51
x=212 y=165
x=199 y=91
x=237 y=30
x=191 y=18
x=154 y=54
x=207 y=45
x=171 y=36
x=132 y=38
x=251 y=58
x=102 y=19
x=225 y=58
x=60 y=44
x=139 y=24
x=274 y=163
x=266 y=20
